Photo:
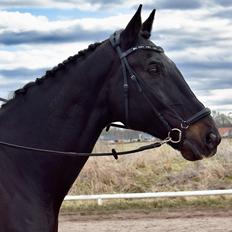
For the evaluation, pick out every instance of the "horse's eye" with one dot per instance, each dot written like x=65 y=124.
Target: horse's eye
x=154 y=69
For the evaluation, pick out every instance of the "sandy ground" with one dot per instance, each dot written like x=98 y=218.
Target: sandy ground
x=197 y=221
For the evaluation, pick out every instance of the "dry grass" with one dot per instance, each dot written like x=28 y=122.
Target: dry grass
x=161 y=169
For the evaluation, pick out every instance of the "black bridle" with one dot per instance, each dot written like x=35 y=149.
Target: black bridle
x=174 y=134
x=129 y=73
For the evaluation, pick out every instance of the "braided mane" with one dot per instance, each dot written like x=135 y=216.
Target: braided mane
x=52 y=72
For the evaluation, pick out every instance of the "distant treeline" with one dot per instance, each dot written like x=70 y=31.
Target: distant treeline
x=115 y=134
x=222 y=120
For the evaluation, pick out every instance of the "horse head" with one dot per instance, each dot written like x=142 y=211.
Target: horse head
x=148 y=93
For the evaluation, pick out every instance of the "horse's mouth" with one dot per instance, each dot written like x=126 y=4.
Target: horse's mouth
x=192 y=152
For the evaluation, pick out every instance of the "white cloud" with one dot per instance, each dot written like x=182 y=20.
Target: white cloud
x=88 y=5
x=38 y=56
x=17 y=22
x=215 y=99
x=188 y=36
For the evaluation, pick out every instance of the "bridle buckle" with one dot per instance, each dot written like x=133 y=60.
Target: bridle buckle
x=133 y=77
x=184 y=125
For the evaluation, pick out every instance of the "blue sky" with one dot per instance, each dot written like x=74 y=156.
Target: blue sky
x=196 y=35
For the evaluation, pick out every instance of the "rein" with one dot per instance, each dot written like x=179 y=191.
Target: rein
x=174 y=135
x=113 y=152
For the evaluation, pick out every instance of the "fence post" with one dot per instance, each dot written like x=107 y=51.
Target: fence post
x=99 y=201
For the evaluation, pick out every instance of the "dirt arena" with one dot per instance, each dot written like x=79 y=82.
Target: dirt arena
x=197 y=221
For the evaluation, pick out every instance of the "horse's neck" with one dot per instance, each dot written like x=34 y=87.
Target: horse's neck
x=63 y=113
x=67 y=111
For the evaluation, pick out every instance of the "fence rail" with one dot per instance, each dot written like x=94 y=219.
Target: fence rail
x=102 y=197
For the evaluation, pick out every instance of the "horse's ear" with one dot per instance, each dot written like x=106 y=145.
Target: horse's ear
x=132 y=30
x=147 y=25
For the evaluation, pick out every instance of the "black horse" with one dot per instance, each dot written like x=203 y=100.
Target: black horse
x=68 y=108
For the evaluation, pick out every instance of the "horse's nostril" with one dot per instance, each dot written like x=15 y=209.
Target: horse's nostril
x=212 y=140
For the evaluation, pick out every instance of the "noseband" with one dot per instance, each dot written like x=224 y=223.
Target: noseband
x=174 y=134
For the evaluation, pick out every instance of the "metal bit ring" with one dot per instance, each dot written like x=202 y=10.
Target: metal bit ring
x=176 y=131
